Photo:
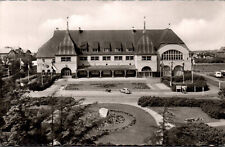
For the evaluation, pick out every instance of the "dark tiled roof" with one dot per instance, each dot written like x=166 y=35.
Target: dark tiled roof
x=99 y=39
x=66 y=47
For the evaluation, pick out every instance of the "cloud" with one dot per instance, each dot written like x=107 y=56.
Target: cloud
x=201 y=33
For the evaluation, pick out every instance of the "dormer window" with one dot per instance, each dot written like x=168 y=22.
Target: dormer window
x=95 y=50
x=95 y=46
x=106 y=46
x=84 y=46
x=130 y=49
x=118 y=50
x=106 y=49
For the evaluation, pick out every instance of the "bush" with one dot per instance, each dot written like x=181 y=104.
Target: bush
x=214 y=108
x=37 y=86
x=199 y=82
x=194 y=134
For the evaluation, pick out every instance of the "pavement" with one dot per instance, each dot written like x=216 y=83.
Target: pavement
x=159 y=89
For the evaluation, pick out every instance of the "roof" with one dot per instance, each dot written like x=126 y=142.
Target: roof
x=105 y=38
x=5 y=50
x=66 y=46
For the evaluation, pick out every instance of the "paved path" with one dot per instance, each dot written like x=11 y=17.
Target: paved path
x=116 y=97
x=217 y=124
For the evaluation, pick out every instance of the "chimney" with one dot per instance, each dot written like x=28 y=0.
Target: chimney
x=133 y=29
x=80 y=30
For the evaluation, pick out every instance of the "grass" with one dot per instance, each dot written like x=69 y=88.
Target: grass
x=182 y=113
x=133 y=135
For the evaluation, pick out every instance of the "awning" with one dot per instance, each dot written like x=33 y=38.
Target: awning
x=109 y=67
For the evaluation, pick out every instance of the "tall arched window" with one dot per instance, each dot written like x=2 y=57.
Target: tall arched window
x=172 y=55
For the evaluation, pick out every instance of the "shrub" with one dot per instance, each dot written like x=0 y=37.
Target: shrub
x=199 y=82
x=214 y=108
x=194 y=134
x=37 y=86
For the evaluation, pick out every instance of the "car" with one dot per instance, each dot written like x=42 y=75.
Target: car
x=125 y=90
x=218 y=74
x=223 y=72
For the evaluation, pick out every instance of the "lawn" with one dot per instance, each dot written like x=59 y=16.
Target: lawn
x=133 y=135
x=182 y=113
x=114 y=85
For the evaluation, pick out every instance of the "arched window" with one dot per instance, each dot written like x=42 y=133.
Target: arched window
x=172 y=55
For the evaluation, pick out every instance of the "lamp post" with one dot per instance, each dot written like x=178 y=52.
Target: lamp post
x=171 y=70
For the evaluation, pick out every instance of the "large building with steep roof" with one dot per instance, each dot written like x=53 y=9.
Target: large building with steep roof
x=114 y=53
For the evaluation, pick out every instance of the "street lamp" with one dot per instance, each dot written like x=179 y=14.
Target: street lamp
x=171 y=70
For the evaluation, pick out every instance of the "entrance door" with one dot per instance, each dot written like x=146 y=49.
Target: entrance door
x=66 y=72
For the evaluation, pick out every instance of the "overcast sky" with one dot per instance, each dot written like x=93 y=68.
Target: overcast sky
x=201 y=25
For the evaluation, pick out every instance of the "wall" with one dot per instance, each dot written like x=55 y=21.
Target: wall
x=71 y=65
x=185 y=51
x=152 y=63
x=44 y=65
x=110 y=62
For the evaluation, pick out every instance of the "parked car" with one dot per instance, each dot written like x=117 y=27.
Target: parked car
x=108 y=90
x=223 y=72
x=125 y=90
x=218 y=74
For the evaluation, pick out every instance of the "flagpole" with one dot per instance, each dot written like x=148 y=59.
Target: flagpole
x=19 y=72
x=183 y=72
x=42 y=75
x=28 y=72
x=192 y=74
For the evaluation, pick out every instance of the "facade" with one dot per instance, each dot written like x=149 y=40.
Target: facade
x=113 y=53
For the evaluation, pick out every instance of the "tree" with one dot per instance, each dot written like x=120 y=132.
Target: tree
x=197 y=134
x=160 y=135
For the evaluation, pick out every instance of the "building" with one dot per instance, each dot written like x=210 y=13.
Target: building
x=113 y=53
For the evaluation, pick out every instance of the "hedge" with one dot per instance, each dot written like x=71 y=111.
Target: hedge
x=37 y=86
x=199 y=82
x=214 y=108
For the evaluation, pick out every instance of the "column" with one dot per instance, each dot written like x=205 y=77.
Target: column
x=100 y=73
x=88 y=74
x=112 y=73
x=125 y=73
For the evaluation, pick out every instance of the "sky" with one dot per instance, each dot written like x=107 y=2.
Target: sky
x=29 y=24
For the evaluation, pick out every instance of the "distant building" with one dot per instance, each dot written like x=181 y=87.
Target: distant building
x=113 y=53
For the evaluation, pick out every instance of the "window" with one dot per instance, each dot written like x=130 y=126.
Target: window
x=43 y=60
x=106 y=58
x=118 y=50
x=129 y=57
x=53 y=60
x=83 y=58
x=95 y=58
x=118 y=58
x=106 y=49
x=146 y=58
x=95 y=50
x=172 y=55
x=65 y=59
